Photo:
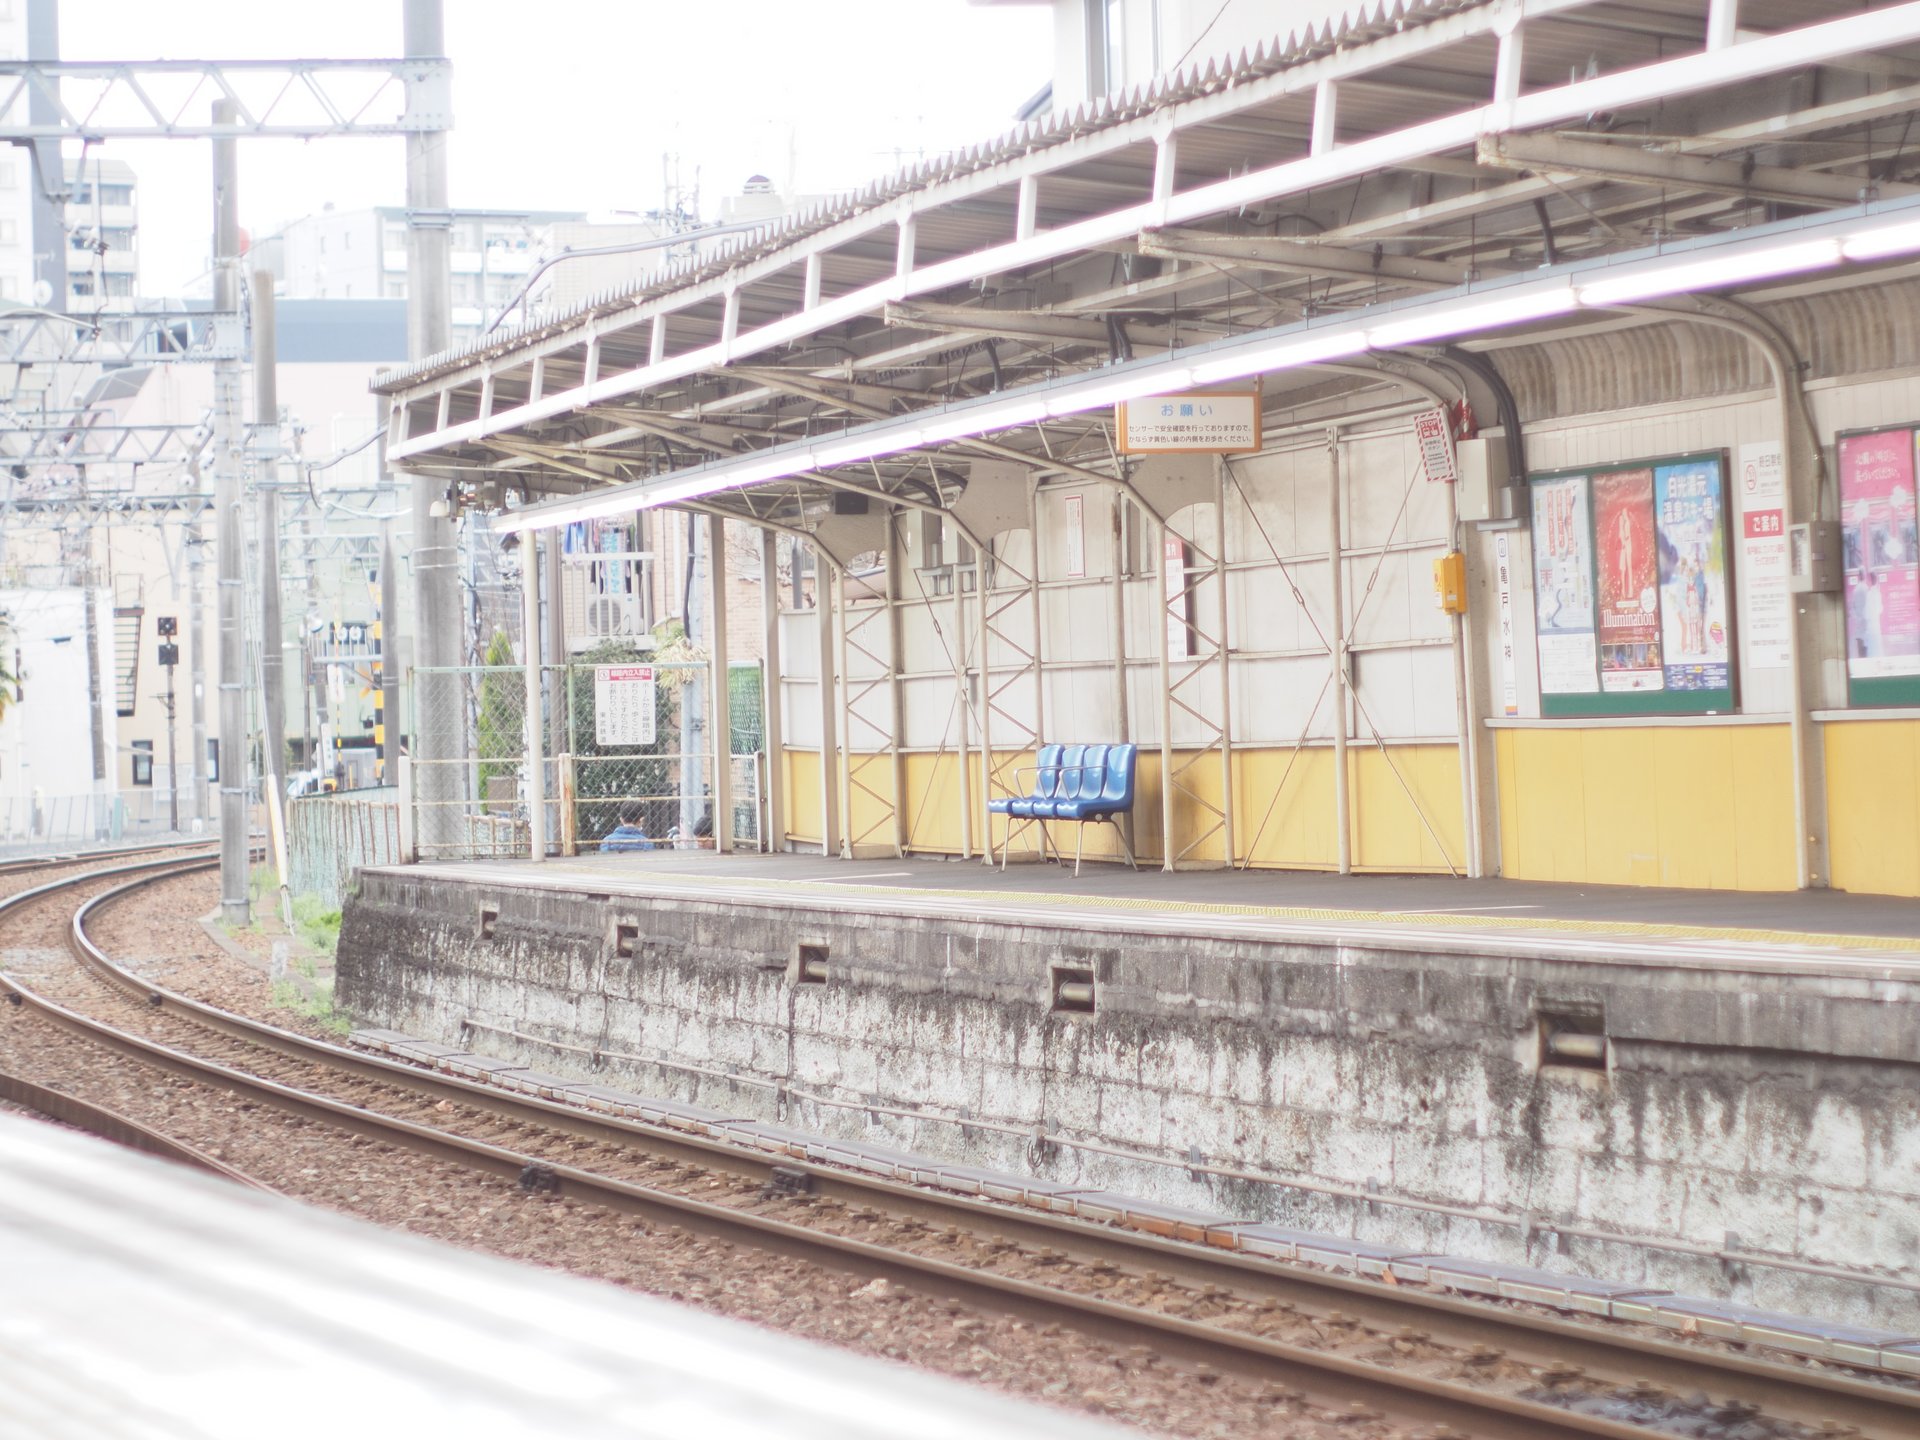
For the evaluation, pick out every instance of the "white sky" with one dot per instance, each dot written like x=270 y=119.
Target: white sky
x=570 y=104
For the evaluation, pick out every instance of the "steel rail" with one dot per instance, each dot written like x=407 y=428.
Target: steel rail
x=1780 y=1390
x=112 y=1125
x=26 y=864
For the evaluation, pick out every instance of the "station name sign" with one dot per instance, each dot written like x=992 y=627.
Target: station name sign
x=1210 y=422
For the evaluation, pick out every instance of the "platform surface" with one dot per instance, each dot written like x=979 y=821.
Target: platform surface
x=1873 y=936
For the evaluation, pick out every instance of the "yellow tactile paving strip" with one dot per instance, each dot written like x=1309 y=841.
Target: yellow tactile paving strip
x=1643 y=930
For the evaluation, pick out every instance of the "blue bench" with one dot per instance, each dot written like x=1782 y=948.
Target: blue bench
x=1082 y=783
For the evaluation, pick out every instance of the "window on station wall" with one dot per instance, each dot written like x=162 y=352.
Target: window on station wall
x=1633 y=612
x=143 y=762
x=1881 y=561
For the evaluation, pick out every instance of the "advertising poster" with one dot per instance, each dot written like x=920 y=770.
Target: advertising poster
x=1629 y=581
x=1563 y=586
x=1882 y=569
x=1694 y=632
x=1766 y=612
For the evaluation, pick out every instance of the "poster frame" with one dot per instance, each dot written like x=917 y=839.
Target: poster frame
x=1873 y=691
x=1599 y=703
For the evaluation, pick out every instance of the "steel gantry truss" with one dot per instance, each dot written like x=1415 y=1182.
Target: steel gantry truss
x=1407 y=175
x=45 y=101
x=172 y=99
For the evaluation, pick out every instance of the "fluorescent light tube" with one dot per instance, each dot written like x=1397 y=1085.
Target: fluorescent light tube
x=1284 y=355
x=1492 y=312
x=1713 y=274
x=1880 y=244
x=1080 y=399
x=984 y=420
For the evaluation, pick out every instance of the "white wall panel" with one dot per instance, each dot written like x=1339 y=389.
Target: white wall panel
x=1012 y=720
x=1265 y=615
x=926 y=636
x=1079 y=622
x=1272 y=700
x=1080 y=705
x=867 y=641
x=1096 y=509
x=1012 y=616
x=799 y=645
x=931 y=711
x=800 y=719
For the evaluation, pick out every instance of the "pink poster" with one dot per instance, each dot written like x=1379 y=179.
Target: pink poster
x=1882 y=569
x=1629 y=581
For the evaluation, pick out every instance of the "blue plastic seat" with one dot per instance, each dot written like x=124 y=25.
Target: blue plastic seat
x=1046 y=784
x=1068 y=786
x=1081 y=788
x=1080 y=783
x=1106 y=792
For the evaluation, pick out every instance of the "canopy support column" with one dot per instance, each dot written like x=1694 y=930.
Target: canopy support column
x=1337 y=636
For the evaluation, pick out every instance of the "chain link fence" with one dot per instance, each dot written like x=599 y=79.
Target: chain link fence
x=652 y=769
x=331 y=836
x=31 y=822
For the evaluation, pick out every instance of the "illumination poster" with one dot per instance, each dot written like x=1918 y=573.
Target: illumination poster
x=1882 y=569
x=1690 y=511
x=1629 y=580
x=1563 y=586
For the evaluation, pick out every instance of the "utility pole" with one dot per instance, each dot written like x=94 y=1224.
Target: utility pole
x=266 y=415
x=197 y=667
x=50 y=170
x=439 y=727
x=167 y=627
x=386 y=673
x=229 y=576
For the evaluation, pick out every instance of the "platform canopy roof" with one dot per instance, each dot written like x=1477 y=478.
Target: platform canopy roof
x=1409 y=175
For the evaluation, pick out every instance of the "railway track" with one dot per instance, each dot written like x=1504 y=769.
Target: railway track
x=1331 y=1345
x=66 y=859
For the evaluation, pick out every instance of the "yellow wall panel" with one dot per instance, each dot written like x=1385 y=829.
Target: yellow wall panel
x=1694 y=832
x=802 y=768
x=1199 y=836
x=1706 y=806
x=1873 y=805
x=1395 y=830
x=870 y=803
x=1762 y=782
x=1285 y=808
x=933 y=803
x=1620 y=821
x=1547 y=839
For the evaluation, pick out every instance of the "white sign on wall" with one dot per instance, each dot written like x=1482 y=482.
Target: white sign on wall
x=1434 y=434
x=1076 y=536
x=1195 y=423
x=1173 y=574
x=1503 y=582
x=623 y=704
x=1766 y=609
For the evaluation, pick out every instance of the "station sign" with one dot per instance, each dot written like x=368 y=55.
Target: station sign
x=1189 y=422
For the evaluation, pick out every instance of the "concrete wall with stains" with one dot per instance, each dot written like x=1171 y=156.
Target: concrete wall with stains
x=1752 y=1111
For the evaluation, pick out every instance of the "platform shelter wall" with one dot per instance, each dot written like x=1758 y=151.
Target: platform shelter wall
x=1700 y=801
x=1097 y=597
x=1669 y=800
